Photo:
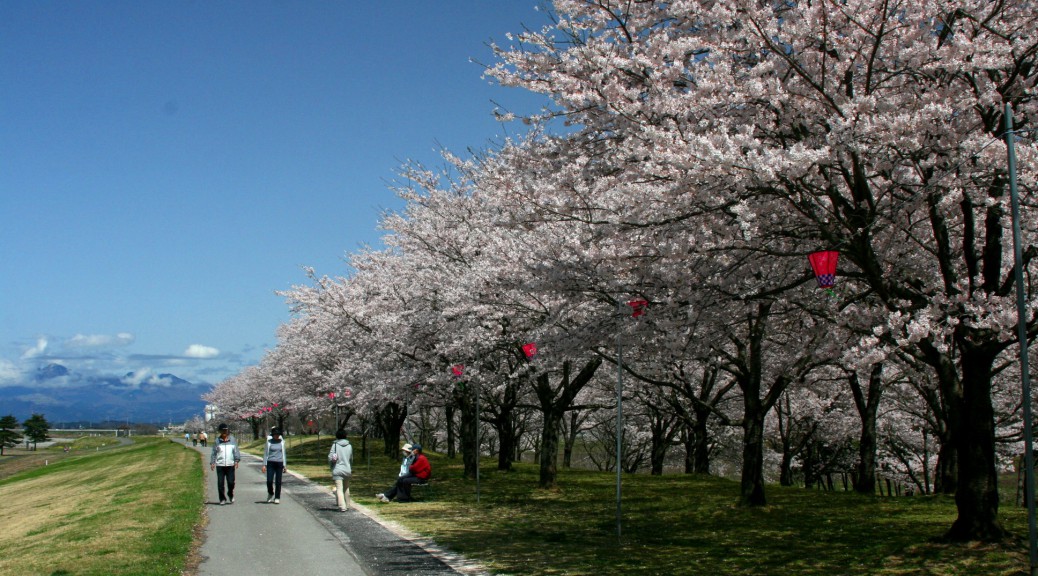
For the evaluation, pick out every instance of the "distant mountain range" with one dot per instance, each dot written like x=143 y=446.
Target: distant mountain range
x=64 y=396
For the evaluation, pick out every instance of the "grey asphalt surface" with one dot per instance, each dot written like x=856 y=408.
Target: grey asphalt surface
x=306 y=533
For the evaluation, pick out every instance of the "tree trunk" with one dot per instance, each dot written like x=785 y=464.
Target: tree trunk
x=554 y=402
x=465 y=399
x=663 y=429
x=448 y=416
x=786 y=469
x=751 y=485
x=549 y=451
x=505 y=427
x=947 y=473
x=868 y=410
x=701 y=442
x=391 y=421
x=977 y=494
x=571 y=439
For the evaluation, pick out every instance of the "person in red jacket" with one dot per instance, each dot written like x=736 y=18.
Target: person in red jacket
x=418 y=473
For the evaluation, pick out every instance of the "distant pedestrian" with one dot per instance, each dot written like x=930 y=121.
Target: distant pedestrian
x=194 y=439
x=274 y=464
x=339 y=458
x=203 y=438
x=417 y=473
x=187 y=437
x=224 y=459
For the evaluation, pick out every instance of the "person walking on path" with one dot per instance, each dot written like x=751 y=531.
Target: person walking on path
x=417 y=473
x=339 y=460
x=274 y=464
x=203 y=438
x=224 y=459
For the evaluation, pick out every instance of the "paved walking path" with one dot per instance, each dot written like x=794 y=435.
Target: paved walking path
x=306 y=534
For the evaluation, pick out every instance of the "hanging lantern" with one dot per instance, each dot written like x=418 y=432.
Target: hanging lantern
x=823 y=263
x=530 y=349
x=638 y=307
x=458 y=370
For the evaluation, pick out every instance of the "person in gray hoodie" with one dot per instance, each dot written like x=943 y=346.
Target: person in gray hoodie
x=339 y=460
x=275 y=462
x=224 y=460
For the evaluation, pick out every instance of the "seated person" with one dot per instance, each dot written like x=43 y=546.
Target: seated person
x=418 y=472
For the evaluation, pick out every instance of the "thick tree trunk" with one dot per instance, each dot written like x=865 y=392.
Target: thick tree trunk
x=465 y=399
x=554 y=403
x=977 y=494
x=947 y=477
x=786 y=469
x=504 y=414
x=572 y=429
x=505 y=427
x=867 y=404
x=663 y=430
x=688 y=442
x=448 y=416
x=549 y=451
x=751 y=485
x=391 y=421
x=701 y=443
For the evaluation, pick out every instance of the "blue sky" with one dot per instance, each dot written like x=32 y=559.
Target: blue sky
x=166 y=166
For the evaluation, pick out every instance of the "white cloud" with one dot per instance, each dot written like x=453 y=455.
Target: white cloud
x=37 y=350
x=144 y=376
x=136 y=377
x=9 y=372
x=41 y=399
x=200 y=351
x=99 y=340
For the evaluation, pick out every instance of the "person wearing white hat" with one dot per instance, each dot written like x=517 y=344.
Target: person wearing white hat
x=418 y=472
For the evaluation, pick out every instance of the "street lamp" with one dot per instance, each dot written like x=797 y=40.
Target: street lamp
x=1021 y=331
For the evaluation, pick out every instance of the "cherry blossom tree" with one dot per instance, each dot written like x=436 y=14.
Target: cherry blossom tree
x=867 y=127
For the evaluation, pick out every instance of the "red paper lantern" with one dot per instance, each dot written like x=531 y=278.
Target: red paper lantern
x=823 y=263
x=458 y=370
x=529 y=349
x=638 y=307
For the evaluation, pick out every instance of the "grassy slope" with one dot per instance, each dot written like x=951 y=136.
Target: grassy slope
x=121 y=511
x=675 y=524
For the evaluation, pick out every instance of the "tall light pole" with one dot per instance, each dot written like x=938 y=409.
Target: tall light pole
x=1021 y=332
x=619 y=421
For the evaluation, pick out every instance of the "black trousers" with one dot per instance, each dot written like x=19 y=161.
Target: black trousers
x=402 y=489
x=274 y=472
x=225 y=474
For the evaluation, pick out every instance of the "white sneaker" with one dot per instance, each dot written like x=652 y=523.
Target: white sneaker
x=231 y=501
x=383 y=498
x=270 y=499
x=277 y=500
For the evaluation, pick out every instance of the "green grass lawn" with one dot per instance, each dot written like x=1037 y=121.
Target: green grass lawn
x=118 y=511
x=674 y=524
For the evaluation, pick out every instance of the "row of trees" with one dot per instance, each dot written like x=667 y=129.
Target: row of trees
x=35 y=428
x=656 y=220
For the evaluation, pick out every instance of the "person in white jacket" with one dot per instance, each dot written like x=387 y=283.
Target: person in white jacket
x=224 y=459
x=339 y=457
